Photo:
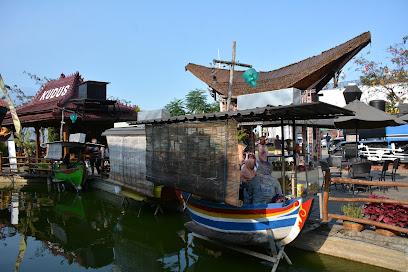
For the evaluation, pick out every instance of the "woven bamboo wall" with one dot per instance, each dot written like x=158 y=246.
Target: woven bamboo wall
x=199 y=158
x=128 y=162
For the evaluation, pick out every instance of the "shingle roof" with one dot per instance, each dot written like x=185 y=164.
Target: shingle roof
x=314 y=72
x=3 y=103
x=60 y=90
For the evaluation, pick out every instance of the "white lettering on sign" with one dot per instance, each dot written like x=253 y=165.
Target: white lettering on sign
x=56 y=92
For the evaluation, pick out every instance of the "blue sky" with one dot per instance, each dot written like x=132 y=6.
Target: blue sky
x=142 y=47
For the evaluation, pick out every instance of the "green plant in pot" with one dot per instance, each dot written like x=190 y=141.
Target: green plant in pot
x=352 y=210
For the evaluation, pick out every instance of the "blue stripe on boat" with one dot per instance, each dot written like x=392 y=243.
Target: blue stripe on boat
x=255 y=226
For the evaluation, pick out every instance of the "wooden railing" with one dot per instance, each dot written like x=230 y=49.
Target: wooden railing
x=326 y=198
x=26 y=165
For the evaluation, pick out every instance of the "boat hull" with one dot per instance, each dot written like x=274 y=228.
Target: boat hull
x=253 y=221
x=74 y=175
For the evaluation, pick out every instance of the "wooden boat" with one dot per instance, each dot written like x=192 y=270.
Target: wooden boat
x=75 y=176
x=247 y=224
x=77 y=173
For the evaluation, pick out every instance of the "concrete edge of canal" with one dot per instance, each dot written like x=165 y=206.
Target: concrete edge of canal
x=365 y=247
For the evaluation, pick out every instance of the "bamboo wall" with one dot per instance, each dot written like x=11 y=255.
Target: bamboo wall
x=199 y=158
x=128 y=162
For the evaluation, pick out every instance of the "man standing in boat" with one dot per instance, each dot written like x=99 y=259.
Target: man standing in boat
x=263 y=188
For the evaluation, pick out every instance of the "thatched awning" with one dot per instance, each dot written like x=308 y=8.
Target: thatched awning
x=311 y=73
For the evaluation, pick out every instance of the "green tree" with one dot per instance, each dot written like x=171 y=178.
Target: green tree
x=196 y=101
x=176 y=107
x=389 y=78
x=213 y=107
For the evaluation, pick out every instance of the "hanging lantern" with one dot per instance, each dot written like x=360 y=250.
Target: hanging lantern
x=250 y=76
x=73 y=118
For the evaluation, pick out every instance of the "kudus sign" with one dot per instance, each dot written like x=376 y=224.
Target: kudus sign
x=56 y=92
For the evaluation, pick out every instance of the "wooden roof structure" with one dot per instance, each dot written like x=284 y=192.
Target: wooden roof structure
x=312 y=73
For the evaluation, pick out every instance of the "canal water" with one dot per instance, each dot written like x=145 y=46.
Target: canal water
x=43 y=230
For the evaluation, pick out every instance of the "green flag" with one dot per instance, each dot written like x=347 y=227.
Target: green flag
x=12 y=109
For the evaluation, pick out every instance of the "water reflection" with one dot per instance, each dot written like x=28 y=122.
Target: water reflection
x=41 y=229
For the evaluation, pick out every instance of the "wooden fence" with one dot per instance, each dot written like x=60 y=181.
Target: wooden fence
x=25 y=165
x=326 y=199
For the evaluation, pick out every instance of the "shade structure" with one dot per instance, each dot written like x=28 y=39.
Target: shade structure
x=366 y=117
x=403 y=118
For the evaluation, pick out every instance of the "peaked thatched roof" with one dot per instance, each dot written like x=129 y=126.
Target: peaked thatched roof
x=312 y=73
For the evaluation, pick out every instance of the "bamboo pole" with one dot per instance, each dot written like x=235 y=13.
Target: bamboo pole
x=326 y=194
x=374 y=200
x=368 y=222
x=367 y=182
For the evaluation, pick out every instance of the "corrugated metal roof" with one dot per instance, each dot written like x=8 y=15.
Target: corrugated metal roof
x=309 y=111
x=302 y=75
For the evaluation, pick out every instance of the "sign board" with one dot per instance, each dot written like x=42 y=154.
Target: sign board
x=54 y=151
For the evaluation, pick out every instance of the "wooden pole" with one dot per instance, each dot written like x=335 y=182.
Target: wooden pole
x=371 y=183
x=368 y=222
x=37 y=142
x=374 y=200
x=294 y=180
x=283 y=161
x=326 y=194
x=231 y=76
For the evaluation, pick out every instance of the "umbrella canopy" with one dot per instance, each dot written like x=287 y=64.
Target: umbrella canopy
x=404 y=118
x=366 y=117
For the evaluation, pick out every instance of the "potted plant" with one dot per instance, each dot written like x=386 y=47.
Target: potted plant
x=352 y=210
x=392 y=214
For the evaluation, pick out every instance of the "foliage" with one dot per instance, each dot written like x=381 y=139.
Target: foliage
x=53 y=135
x=195 y=102
x=125 y=102
x=3 y=149
x=391 y=78
x=242 y=136
x=352 y=210
x=44 y=164
x=176 y=107
x=23 y=141
x=313 y=188
x=392 y=214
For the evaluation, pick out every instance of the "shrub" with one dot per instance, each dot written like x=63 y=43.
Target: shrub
x=392 y=214
x=352 y=210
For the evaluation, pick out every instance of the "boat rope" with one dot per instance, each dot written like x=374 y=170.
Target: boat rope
x=185 y=202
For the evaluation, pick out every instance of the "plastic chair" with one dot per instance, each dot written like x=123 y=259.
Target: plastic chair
x=361 y=171
x=335 y=162
x=325 y=167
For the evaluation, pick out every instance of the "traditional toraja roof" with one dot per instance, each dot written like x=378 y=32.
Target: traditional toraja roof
x=63 y=93
x=311 y=73
x=307 y=111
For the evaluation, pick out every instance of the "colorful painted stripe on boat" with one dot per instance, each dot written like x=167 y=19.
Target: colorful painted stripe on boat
x=224 y=217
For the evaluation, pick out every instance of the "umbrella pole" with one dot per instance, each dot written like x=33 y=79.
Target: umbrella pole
x=356 y=139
